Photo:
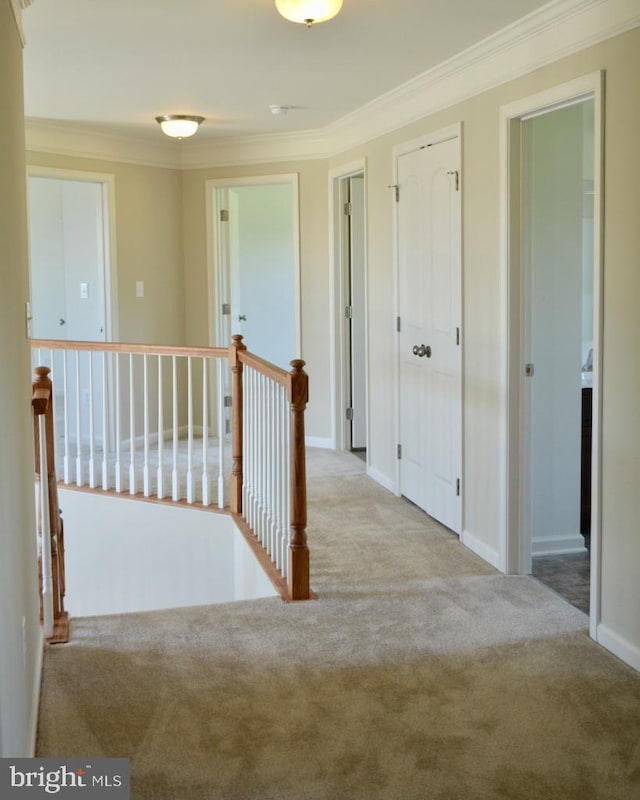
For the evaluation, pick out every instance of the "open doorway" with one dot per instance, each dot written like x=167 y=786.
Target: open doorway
x=348 y=192
x=255 y=265
x=554 y=303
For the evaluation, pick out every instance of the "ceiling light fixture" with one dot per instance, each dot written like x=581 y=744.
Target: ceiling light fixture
x=179 y=126
x=308 y=11
x=279 y=111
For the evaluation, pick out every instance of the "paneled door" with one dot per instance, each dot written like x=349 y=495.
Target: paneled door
x=429 y=284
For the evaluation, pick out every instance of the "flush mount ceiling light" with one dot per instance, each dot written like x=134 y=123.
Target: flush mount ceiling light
x=179 y=126
x=308 y=11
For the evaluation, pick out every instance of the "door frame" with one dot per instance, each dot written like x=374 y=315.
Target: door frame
x=435 y=137
x=215 y=276
x=339 y=331
x=110 y=271
x=515 y=548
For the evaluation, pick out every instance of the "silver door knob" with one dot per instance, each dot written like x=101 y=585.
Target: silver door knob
x=242 y=317
x=62 y=321
x=419 y=350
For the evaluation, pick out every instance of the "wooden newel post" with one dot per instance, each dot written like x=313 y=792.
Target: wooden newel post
x=298 y=574
x=42 y=402
x=235 y=493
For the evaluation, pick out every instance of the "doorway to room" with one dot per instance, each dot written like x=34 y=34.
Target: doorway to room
x=554 y=334
x=254 y=264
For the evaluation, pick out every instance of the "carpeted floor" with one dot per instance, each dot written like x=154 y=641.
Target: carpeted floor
x=420 y=673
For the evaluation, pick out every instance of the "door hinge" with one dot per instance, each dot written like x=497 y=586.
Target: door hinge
x=457 y=487
x=349 y=415
x=458 y=336
x=224 y=215
x=399 y=451
x=397 y=190
x=347 y=209
x=398 y=324
x=529 y=370
x=228 y=401
x=348 y=312
x=457 y=174
x=227 y=426
x=226 y=308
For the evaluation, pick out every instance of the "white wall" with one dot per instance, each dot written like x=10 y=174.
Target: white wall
x=125 y=555
x=21 y=644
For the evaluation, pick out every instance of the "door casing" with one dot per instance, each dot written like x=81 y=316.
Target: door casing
x=515 y=552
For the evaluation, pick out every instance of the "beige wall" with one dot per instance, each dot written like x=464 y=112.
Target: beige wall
x=18 y=562
x=314 y=271
x=483 y=311
x=149 y=246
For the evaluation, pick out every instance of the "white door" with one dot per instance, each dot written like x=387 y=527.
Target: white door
x=67 y=251
x=429 y=278
x=259 y=254
x=356 y=303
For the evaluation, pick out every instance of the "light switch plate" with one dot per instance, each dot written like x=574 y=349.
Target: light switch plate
x=139 y=288
x=84 y=291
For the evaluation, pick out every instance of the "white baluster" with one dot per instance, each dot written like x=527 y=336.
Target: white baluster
x=65 y=390
x=78 y=425
x=160 y=474
x=118 y=468
x=221 y=429
x=132 y=428
x=175 y=487
x=105 y=421
x=205 y=434
x=146 y=488
x=189 y=431
x=92 y=447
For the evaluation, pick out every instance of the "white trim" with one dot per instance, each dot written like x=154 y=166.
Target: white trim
x=481 y=549
x=554 y=31
x=259 y=149
x=108 y=183
x=620 y=647
x=35 y=694
x=558 y=545
x=322 y=442
x=514 y=553
x=68 y=139
x=17 y=15
x=214 y=278
x=382 y=479
x=337 y=331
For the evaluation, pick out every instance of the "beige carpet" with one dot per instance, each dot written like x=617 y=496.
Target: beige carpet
x=419 y=673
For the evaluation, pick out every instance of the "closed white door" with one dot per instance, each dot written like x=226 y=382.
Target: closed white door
x=429 y=278
x=357 y=329
x=67 y=249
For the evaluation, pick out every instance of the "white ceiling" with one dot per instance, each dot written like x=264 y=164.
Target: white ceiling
x=117 y=64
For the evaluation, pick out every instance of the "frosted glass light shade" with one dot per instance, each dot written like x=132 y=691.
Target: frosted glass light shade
x=179 y=126
x=308 y=11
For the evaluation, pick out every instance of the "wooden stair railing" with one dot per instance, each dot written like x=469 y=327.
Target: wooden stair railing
x=296 y=385
x=50 y=526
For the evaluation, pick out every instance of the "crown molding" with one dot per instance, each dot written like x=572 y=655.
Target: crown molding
x=557 y=30
x=554 y=31
x=259 y=149
x=69 y=139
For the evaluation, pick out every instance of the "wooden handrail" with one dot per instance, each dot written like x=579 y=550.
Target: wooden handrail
x=42 y=403
x=123 y=347
x=298 y=574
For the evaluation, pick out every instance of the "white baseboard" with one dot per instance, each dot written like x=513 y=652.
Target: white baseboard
x=35 y=695
x=558 y=545
x=319 y=441
x=382 y=479
x=620 y=647
x=485 y=552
